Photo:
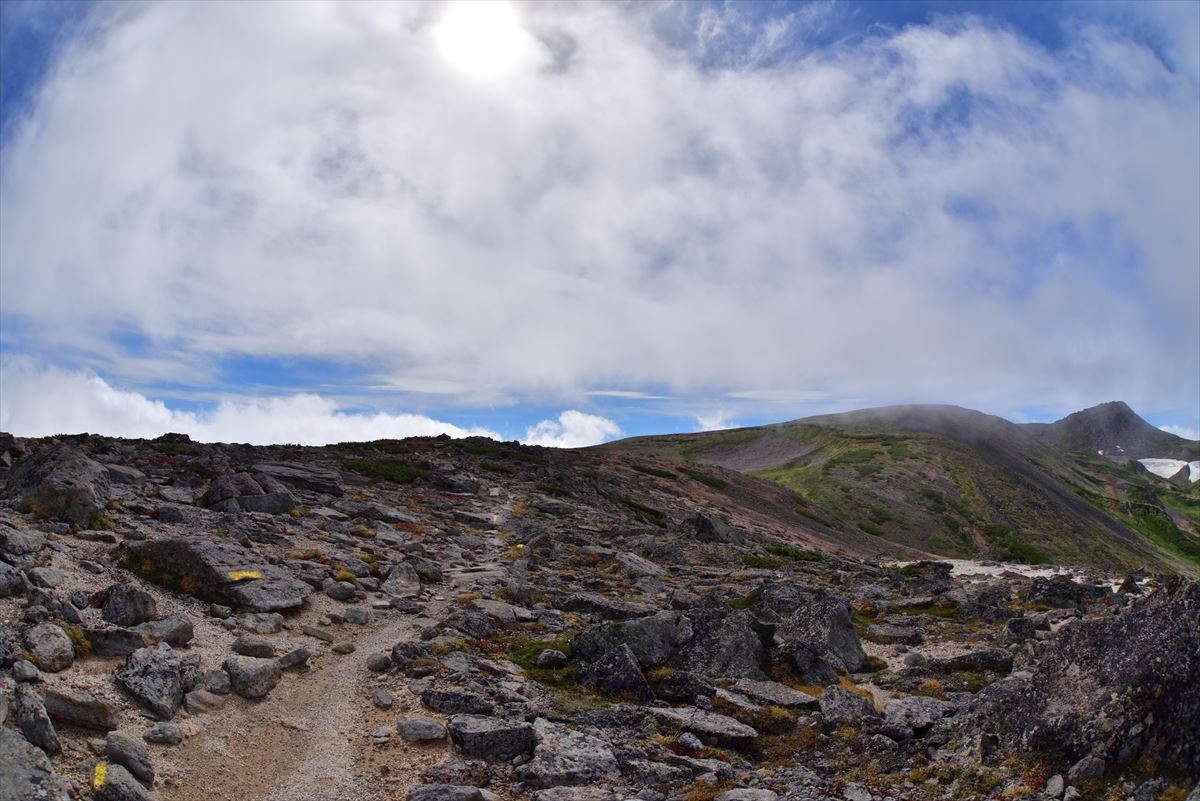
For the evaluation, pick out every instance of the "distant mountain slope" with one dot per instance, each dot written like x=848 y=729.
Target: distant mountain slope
x=957 y=482
x=1115 y=430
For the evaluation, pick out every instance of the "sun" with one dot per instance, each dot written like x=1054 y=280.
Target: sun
x=484 y=38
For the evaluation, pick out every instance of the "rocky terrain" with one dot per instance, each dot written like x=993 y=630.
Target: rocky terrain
x=464 y=619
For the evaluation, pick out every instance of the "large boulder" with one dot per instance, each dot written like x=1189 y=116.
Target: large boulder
x=248 y=492
x=127 y=606
x=711 y=529
x=50 y=647
x=616 y=673
x=810 y=624
x=491 y=738
x=22 y=548
x=1124 y=687
x=653 y=639
x=304 y=476
x=564 y=756
x=59 y=481
x=1063 y=593
x=215 y=570
x=153 y=677
x=724 y=644
x=26 y=771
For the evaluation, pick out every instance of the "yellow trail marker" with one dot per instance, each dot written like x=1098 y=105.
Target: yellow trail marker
x=238 y=575
x=100 y=778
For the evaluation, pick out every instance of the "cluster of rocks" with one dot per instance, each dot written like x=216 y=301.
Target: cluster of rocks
x=583 y=634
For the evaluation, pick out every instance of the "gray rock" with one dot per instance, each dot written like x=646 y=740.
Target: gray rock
x=472 y=772
x=607 y=608
x=22 y=547
x=111 y=782
x=1090 y=767
x=996 y=659
x=120 y=474
x=48 y=577
x=418 y=729
x=551 y=659
x=130 y=753
x=451 y=701
x=251 y=677
x=115 y=641
x=341 y=590
x=248 y=492
x=127 y=606
x=842 y=707
x=917 y=712
x=616 y=673
x=296 y=659
x=200 y=701
x=80 y=708
x=216 y=570
x=892 y=634
x=253 y=645
x=175 y=630
x=357 y=616
x=684 y=687
x=305 y=476
x=33 y=721
x=59 y=481
x=27 y=773
x=402 y=582
x=577 y=794
x=12 y=581
x=711 y=727
x=776 y=694
x=653 y=639
x=50 y=646
x=382 y=699
x=378 y=663
x=24 y=670
x=811 y=621
x=152 y=676
x=444 y=792
x=216 y=681
x=748 y=794
x=1054 y=786
x=690 y=741
x=164 y=733
x=491 y=738
x=567 y=757
x=261 y=622
x=710 y=529
x=724 y=644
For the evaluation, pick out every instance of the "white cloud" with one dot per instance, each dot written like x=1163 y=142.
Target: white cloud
x=908 y=213
x=716 y=421
x=1182 y=431
x=42 y=402
x=572 y=429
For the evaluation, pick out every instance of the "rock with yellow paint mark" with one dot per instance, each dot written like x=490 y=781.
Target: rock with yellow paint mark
x=111 y=782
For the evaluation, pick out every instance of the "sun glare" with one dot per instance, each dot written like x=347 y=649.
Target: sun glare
x=483 y=37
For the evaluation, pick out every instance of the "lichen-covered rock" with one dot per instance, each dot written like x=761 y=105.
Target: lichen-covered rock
x=50 y=647
x=59 y=481
x=1123 y=687
x=152 y=676
x=711 y=727
x=616 y=673
x=217 y=571
x=33 y=721
x=127 y=606
x=246 y=492
x=654 y=639
x=1063 y=593
x=811 y=621
x=842 y=707
x=491 y=738
x=251 y=677
x=27 y=773
x=724 y=644
x=564 y=756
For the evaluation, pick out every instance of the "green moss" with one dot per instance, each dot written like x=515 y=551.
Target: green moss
x=646 y=513
x=745 y=602
x=797 y=554
x=654 y=471
x=761 y=562
x=102 y=523
x=393 y=470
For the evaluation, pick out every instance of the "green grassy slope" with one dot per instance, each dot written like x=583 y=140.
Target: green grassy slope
x=959 y=483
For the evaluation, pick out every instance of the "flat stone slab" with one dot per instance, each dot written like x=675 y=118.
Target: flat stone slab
x=776 y=694
x=710 y=727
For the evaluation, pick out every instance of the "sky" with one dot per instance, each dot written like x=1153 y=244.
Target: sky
x=565 y=223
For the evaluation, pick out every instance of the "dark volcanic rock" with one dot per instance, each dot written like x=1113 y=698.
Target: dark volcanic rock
x=1062 y=593
x=33 y=721
x=653 y=639
x=215 y=570
x=60 y=482
x=152 y=676
x=126 y=606
x=616 y=673
x=247 y=492
x=26 y=772
x=304 y=476
x=812 y=625
x=711 y=529
x=724 y=644
x=1124 y=687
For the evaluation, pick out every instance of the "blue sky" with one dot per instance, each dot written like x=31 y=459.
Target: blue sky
x=569 y=222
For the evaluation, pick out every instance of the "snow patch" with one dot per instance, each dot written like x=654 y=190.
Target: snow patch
x=1169 y=467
